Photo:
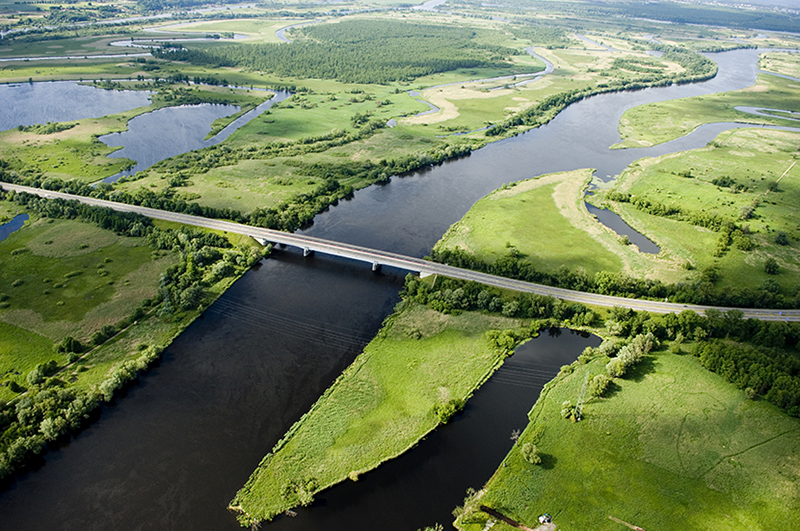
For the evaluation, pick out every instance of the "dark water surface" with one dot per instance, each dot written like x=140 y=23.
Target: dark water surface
x=170 y=131
x=174 y=451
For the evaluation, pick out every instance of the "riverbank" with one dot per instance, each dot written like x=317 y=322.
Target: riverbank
x=656 y=123
x=719 y=214
x=96 y=308
x=746 y=178
x=670 y=442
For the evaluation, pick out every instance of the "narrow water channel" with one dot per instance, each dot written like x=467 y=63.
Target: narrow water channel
x=174 y=451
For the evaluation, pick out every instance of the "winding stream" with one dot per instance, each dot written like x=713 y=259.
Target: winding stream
x=173 y=452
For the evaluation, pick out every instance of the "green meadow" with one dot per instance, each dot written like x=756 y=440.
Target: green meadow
x=655 y=123
x=747 y=176
x=420 y=365
x=672 y=446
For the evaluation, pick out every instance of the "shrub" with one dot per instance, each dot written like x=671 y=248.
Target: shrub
x=771 y=266
x=530 y=453
x=445 y=411
x=17 y=283
x=781 y=238
x=599 y=385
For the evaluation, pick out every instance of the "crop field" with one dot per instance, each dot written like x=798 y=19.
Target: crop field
x=671 y=444
x=380 y=406
x=750 y=167
x=655 y=123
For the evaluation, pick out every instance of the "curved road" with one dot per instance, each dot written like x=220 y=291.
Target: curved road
x=425 y=268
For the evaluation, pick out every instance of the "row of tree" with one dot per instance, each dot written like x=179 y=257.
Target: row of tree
x=701 y=291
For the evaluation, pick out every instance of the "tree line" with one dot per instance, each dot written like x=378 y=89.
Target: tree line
x=702 y=291
x=50 y=410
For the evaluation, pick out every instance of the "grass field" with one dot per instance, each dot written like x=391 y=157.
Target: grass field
x=655 y=123
x=673 y=446
x=753 y=160
x=787 y=64
x=66 y=278
x=545 y=220
x=380 y=406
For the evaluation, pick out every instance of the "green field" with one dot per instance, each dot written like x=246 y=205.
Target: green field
x=380 y=406
x=753 y=167
x=674 y=446
x=655 y=123
x=528 y=216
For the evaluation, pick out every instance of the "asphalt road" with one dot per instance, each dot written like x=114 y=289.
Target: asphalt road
x=380 y=258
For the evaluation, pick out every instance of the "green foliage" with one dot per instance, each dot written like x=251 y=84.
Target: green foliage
x=445 y=411
x=357 y=51
x=599 y=385
x=530 y=452
x=48 y=128
x=772 y=373
x=771 y=266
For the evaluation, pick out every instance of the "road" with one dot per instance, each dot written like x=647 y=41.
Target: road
x=383 y=258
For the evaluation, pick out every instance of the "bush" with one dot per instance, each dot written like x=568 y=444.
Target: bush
x=531 y=454
x=781 y=238
x=599 y=385
x=771 y=266
x=446 y=410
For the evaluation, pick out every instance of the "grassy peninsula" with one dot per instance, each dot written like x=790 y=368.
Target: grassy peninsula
x=747 y=177
x=660 y=122
x=418 y=371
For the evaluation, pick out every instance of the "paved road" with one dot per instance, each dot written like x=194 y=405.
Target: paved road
x=425 y=268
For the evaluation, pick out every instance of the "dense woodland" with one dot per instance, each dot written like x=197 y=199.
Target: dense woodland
x=357 y=51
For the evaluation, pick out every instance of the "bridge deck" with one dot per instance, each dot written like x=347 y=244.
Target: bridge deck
x=408 y=263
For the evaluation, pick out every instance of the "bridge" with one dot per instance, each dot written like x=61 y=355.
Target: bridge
x=377 y=258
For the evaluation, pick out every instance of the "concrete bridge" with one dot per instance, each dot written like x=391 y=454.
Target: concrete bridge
x=377 y=258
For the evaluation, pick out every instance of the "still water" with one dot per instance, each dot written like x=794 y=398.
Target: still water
x=172 y=453
x=62 y=101
x=164 y=133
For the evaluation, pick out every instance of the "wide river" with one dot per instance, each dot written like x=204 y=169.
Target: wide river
x=173 y=451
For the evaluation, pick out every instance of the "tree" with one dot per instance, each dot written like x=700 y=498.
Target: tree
x=599 y=385
x=771 y=266
x=530 y=452
x=781 y=238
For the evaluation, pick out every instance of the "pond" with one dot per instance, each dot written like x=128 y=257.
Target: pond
x=62 y=101
x=13 y=225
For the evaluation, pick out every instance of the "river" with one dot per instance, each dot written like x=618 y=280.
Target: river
x=173 y=452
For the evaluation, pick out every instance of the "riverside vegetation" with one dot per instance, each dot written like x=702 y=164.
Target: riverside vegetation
x=90 y=297
x=449 y=338
x=723 y=216
x=692 y=446
x=442 y=343
x=332 y=137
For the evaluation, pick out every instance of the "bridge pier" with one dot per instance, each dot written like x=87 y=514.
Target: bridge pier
x=376 y=266
x=307 y=251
